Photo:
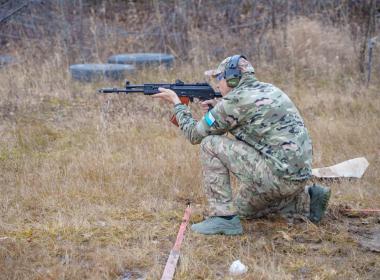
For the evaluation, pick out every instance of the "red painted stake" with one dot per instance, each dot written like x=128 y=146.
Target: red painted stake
x=174 y=253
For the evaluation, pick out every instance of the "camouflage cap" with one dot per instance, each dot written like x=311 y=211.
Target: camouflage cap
x=244 y=66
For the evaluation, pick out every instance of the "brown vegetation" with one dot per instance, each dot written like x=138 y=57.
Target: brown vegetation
x=95 y=187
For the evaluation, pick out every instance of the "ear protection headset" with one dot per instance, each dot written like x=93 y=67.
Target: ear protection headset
x=232 y=74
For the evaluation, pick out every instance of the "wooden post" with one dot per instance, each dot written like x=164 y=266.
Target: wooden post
x=369 y=30
x=371 y=45
x=285 y=24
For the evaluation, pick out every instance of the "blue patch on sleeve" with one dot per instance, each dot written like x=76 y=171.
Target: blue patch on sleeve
x=209 y=118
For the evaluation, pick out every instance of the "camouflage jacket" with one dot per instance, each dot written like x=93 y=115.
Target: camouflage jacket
x=264 y=117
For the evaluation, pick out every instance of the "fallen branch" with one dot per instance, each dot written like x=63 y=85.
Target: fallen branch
x=12 y=12
x=362 y=211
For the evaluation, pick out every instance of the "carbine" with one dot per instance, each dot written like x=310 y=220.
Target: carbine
x=186 y=92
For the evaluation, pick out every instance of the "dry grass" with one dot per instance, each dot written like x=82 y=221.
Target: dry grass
x=93 y=187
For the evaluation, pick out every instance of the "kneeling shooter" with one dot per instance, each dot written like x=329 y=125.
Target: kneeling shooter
x=271 y=154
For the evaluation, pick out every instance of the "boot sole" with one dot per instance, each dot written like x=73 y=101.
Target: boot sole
x=225 y=232
x=233 y=232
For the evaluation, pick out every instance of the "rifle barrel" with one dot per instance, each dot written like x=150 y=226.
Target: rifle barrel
x=119 y=90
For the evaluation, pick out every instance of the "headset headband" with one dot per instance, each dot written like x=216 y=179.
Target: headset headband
x=233 y=63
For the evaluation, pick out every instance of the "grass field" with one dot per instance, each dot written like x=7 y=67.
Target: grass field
x=95 y=187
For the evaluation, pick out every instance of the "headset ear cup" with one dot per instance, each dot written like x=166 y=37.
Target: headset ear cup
x=232 y=74
x=233 y=82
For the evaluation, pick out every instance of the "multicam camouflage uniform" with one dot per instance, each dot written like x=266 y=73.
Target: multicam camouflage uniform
x=271 y=155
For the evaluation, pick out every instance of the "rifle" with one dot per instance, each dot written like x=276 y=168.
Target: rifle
x=186 y=92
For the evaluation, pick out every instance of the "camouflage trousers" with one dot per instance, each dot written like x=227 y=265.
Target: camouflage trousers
x=260 y=192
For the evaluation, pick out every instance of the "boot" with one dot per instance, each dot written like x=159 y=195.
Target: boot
x=319 y=198
x=218 y=225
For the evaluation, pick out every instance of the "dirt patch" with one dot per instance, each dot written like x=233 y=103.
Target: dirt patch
x=367 y=235
x=133 y=275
